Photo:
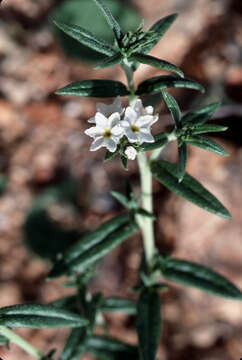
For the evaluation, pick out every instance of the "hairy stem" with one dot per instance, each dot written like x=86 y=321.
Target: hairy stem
x=18 y=340
x=146 y=223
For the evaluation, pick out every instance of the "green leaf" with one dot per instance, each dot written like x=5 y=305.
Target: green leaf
x=96 y=252
x=157 y=63
x=161 y=139
x=145 y=213
x=201 y=115
x=198 y=276
x=160 y=28
x=110 y=155
x=189 y=188
x=67 y=302
x=206 y=144
x=110 y=19
x=95 y=88
x=173 y=107
x=39 y=317
x=3 y=340
x=148 y=323
x=80 y=12
x=87 y=242
x=121 y=198
x=182 y=162
x=158 y=83
x=124 y=162
x=106 y=347
x=86 y=38
x=153 y=100
x=202 y=129
x=110 y=61
x=75 y=346
x=116 y=304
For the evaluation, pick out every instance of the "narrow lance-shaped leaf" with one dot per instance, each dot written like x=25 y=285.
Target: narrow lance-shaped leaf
x=75 y=346
x=198 y=276
x=110 y=155
x=206 y=144
x=89 y=241
x=95 y=253
x=159 y=83
x=173 y=107
x=207 y=128
x=86 y=38
x=110 y=19
x=182 y=160
x=106 y=347
x=67 y=302
x=148 y=323
x=110 y=61
x=200 y=115
x=157 y=63
x=116 y=304
x=95 y=88
x=39 y=317
x=100 y=250
x=121 y=198
x=160 y=28
x=189 y=188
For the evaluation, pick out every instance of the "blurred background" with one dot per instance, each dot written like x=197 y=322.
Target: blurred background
x=52 y=189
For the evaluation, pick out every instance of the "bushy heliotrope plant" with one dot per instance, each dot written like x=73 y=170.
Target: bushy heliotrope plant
x=127 y=132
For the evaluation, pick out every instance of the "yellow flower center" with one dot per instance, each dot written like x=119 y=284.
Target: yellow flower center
x=107 y=134
x=134 y=128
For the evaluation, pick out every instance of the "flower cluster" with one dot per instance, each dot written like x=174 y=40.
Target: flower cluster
x=113 y=122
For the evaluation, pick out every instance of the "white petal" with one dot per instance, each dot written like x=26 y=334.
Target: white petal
x=130 y=152
x=97 y=144
x=117 y=105
x=94 y=131
x=149 y=110
x=124 y=124
x=110 y=144
x=145 y=120
x=156 y=117
x=130 y=115
x=146 y=138
x=91 y=120
x=113 y=120
x=117 y=131
x=132 y=137
x=107 y=109
x=101 y=120
x=138 y=107
x=102 y=108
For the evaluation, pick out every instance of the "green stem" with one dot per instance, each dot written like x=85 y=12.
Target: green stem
x=18 y=340
x=145 y=223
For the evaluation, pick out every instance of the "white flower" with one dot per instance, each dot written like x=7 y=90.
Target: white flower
x=130 y=152
x=107 y=110
x=107 y=132
x=137 y=122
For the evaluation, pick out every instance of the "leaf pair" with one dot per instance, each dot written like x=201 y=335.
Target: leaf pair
x=94 y=246
x=189 y=127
